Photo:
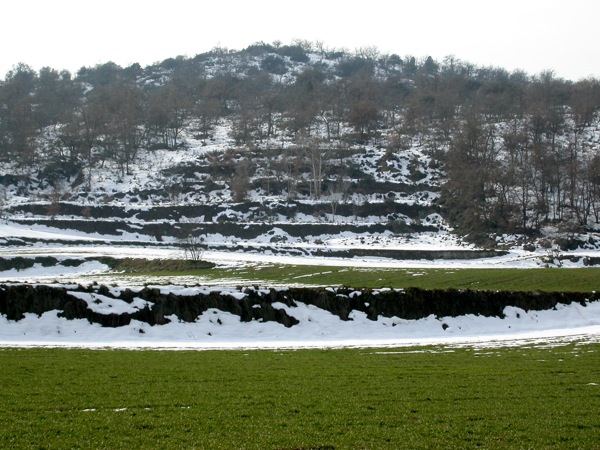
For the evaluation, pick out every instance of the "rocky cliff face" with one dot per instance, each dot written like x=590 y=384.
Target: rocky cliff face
x=115 y=307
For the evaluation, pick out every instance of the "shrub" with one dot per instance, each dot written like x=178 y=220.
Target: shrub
x=18 y=263
x=193 y=247
x=46 y=261
x=294 y=52
x=273 y=64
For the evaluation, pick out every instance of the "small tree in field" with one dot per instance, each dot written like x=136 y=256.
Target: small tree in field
x=193 y=247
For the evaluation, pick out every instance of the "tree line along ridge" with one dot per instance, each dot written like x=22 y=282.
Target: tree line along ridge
x=505 y=151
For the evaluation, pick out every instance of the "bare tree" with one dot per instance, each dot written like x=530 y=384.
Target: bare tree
x=169 y=111
x=316 y=156
x=193 y=247
x=240 y=183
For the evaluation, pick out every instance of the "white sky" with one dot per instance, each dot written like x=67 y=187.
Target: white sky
x=532 y=35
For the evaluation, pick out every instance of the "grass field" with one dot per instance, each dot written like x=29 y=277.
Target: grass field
x=581 y=280
x=353 y=398
x=566 y=280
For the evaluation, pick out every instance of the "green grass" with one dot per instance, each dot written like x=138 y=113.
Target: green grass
x=160 y=266
x=567 y=280
x=514 y=279
x=352 y=398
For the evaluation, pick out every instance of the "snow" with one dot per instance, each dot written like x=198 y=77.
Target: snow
x=317 y=328
x=215 y=329
x=8 y=230
x=41 y=273
x=105 y=305
x=55 y=242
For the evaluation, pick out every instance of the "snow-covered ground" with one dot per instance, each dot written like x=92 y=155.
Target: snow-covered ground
x=216 y=329
x=55 y=242
x=317 y=328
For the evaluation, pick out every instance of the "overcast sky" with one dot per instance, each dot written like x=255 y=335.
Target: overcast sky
x=532 y=35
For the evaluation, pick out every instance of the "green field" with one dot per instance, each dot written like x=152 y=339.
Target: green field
x=520 y=397
x=555 y=279
x=578 y=280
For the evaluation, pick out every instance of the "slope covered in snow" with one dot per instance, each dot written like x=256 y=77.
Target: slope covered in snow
x=315 y=327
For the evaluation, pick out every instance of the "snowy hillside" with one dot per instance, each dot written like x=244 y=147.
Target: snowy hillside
x=297 y=150
x=291 y=155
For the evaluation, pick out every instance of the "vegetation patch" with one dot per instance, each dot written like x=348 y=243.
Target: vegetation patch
x=532 y=280
x=155 y=266
x=21 y=263
x=435 y=397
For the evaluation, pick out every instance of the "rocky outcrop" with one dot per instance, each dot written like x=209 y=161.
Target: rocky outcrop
x=155 y=307
x=415 y=303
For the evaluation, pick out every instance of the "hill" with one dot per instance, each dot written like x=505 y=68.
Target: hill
x=305 y=150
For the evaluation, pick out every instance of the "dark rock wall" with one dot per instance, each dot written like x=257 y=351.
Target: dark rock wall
x=412 y=303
